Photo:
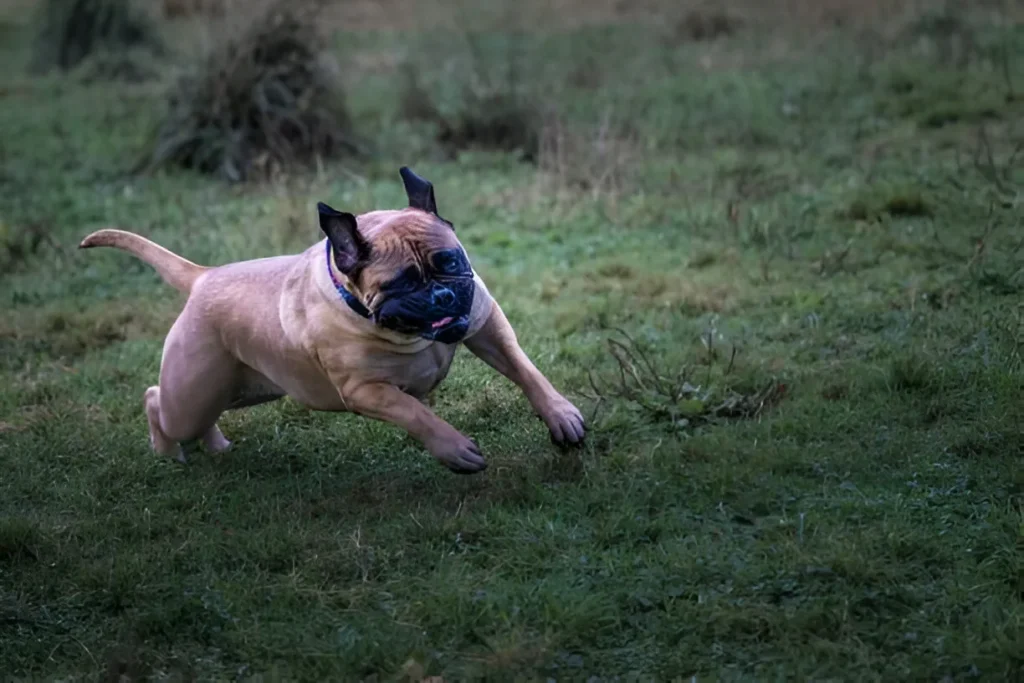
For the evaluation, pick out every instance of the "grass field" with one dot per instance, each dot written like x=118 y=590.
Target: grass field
x=830 y=208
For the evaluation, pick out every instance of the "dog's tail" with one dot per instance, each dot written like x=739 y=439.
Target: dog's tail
x=178 y=272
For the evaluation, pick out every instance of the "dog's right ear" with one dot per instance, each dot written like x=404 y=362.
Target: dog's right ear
x=350 y=249
x=419 y=191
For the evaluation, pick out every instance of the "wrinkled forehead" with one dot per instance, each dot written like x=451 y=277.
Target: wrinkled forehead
x=406 y=234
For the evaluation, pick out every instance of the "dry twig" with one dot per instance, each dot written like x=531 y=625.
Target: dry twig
x=669 y=395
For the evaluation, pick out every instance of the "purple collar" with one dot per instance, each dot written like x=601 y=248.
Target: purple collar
x=353 y=303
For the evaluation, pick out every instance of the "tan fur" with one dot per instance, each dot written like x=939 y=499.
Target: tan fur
x=254 y=331
x=176 y=271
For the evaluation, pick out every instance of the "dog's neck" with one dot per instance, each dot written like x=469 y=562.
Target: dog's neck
x=351 y=299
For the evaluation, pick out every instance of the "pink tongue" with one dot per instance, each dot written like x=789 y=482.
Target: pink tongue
x=441 y=323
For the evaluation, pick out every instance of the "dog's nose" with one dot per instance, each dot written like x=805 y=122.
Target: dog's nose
x=441 y=295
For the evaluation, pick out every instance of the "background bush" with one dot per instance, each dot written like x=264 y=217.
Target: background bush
x=266 y=98
x=70 y=31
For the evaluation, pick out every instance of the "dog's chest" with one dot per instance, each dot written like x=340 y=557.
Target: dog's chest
x=419 y=373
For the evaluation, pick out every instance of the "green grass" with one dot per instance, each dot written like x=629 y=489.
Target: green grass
x=809 y=211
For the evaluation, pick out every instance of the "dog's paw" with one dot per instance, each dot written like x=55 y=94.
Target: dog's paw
x=459 y=454
x=214 y=440
x=565 y=422
x=168 y=449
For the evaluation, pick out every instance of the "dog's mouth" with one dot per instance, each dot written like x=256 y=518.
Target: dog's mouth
x=448 y=329
x=438 y=311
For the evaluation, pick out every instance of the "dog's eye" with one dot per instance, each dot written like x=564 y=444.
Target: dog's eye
x=407 y=281
x=451 y=262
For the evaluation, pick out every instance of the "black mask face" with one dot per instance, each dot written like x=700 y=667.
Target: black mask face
x=434 y=307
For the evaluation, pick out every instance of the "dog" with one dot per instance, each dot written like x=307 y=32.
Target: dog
x=366 y=320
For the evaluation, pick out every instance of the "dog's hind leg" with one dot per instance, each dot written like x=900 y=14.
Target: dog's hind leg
x=160 y=442
x=215 y=441
x=251 y=389
x=197 y=379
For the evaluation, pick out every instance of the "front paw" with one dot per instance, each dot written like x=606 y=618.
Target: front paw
x=565 y=422
x=459 y=454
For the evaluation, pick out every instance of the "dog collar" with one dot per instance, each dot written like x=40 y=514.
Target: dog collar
x=353 y=303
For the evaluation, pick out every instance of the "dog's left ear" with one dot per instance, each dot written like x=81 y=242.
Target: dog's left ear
x=419 y=191
x=350 y=249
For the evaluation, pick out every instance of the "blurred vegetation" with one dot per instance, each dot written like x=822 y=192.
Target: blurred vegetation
x=72 y=31
x=265 y=99
x=773 y=250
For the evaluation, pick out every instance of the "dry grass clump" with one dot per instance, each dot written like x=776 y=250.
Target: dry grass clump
x=18 y=244
x=131 y=66
x=72 y=30
x=706 y=23
x=897 y=201
x=489 y=101
x=675 y=395
x=598 y=159
x=946 y=33
x=500 y=115
x=493 y=119
x=265 y=99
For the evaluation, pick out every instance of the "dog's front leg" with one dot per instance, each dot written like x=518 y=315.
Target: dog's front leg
x=496 y=345
x=390 y=404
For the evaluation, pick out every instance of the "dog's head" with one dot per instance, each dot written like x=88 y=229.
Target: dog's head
x=406 y=267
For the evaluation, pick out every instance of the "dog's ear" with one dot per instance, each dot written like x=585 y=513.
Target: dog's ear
x=419 y=191
x=350 y=249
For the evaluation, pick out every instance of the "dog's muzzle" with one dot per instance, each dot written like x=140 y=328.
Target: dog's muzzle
x=438 y=311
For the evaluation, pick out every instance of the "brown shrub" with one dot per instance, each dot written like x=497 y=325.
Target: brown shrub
x=502 y=115
x=597 y=159
x=72 y=30
x=264 y=99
